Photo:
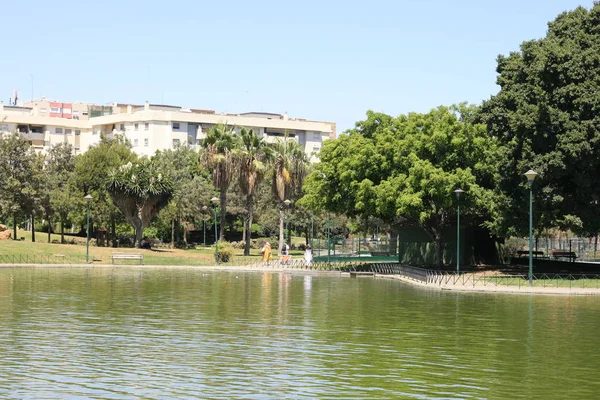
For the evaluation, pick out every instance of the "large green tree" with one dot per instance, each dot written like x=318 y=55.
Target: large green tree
x=404 y=170
x=140 y=190
x=289 y=170
x=220 y=144
x=57 y=197
x=191 y=187
x=91 y=176
x=546 y=117
x=19 y=178
x=252 y=157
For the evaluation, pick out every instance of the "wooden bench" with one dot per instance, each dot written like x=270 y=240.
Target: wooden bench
x=564 y=254
x=128 y=256
x=536 y=254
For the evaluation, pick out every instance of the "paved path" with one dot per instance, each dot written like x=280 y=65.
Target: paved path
x=490 y=288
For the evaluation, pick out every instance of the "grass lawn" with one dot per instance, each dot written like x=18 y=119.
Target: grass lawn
x=16 y=251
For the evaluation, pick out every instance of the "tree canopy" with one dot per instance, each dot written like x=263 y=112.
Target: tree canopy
x=546 y=117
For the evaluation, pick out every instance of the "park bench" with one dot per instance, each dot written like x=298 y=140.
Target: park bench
x=557 y=254
x=128 y=256
x=536 y=254
x=380 y=253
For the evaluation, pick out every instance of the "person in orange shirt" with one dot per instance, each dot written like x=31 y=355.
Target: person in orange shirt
x=266 y=252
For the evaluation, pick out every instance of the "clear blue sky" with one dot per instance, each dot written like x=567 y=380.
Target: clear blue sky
x=326 y=60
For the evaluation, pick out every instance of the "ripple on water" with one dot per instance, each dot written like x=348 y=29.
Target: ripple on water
x=130 y=333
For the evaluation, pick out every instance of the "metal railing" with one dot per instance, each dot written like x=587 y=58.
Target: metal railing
x=41 y=259
x=545 y=280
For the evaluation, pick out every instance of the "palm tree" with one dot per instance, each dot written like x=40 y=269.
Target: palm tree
x=252 y=157
x=219 y=146
x=289 y=171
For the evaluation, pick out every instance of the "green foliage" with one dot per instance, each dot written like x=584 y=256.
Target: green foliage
x=140 y=190
x=404 y=170
x=20 y=177
x=225 y=252
x=546 y=117
x=219 y=146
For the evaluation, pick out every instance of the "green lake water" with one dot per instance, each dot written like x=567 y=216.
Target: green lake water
x=129 y=333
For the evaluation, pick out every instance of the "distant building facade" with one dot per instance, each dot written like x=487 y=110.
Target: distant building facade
x=149 y=127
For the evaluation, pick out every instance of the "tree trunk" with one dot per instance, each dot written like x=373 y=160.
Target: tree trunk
x=392 y=248
x=281 y=233
x=244 y=223
x=32 y=228
x=15 y=227
x=62 y=231
x=185 y=232
x=439 y=250
x=250 y=203
x=223 y=213
x=289 y=234
x=138 y=233
x=173 y=233
x=49 y=229
x=306 y=237
x=114 y=231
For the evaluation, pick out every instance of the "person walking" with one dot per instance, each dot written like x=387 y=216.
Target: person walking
x=308 y=256
x=266 y=252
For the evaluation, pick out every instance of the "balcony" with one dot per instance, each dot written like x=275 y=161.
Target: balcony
x=33 y=135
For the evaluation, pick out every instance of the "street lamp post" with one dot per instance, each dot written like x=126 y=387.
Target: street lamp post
x=215 y=202
x=88 y=198
x=531 y=174
x=328 y=238
x=204 y=223
x=458 y=192
x=287 y=203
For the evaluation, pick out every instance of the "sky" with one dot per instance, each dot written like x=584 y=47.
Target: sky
x=321 y=60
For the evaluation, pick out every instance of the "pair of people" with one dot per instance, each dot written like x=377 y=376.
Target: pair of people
x=267 y=253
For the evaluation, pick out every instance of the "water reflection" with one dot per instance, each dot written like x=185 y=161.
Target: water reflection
x=168 y=333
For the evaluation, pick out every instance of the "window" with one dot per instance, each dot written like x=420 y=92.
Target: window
x=316 y=136
x=77 y=132
x=175 y=126
x=43 y=110
x=176 y=142
x=316 y=148
x=146 y=142
x=75 y=113
x=146 y=126
x=54 y=109
x=66 y=111
x=135 y=142
x=122 y=127
x=85 y=113
x=58 y=131
x=68 y=131
x=136 y=126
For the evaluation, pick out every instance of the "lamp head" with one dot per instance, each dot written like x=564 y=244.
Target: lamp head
x=287 y=202
x=531 y=174
x=459 y=193
x=88 y=198
x=204 y=208
x=215 y=200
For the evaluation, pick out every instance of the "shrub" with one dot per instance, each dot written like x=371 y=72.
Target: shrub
x=238 y=245
x=512 y=245
x=301 y=246
x=225 y=252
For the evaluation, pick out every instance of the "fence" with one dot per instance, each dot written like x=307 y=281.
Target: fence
x=41 y=259
x=585 y=248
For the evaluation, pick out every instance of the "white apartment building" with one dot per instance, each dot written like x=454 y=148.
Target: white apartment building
x=148 y=127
